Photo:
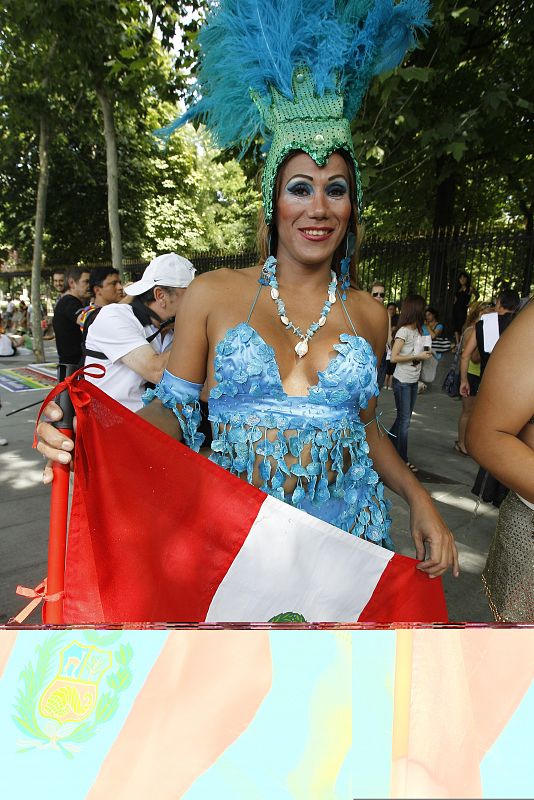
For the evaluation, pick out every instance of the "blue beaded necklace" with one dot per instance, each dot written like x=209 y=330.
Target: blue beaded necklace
x=268 y=278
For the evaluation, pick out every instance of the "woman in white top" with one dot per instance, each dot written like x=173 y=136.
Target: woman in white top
x=500 y=437
x=408 y=355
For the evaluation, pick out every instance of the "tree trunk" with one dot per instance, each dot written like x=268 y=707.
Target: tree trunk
x=112 y=167
x=40 y=216
x=528 y=210
x=442 y=230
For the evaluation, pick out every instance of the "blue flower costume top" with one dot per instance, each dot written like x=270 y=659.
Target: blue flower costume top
x=258 y=428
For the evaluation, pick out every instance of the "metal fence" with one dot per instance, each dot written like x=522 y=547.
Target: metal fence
x=426 y=263
x=430 y=264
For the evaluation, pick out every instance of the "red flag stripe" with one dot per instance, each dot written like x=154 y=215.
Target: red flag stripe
x=149 y=543
x=398 y=593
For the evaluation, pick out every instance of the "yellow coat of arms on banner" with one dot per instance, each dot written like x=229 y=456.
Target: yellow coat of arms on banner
x=69 y=689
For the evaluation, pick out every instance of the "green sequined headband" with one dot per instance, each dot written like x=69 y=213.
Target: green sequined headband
x=312 y=124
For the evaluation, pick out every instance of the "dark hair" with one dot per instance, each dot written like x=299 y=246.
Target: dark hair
x=468 y=281
x=392 y=303
x=509 y=299
x=98 y=276
x=433 y=311
x=75 y=273
x=412 y=310
x=267 y=235
x=148 y=296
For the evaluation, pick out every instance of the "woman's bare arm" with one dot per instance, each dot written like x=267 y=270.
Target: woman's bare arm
x=467 y=351
x=396 y=357
x=189 y=352
x=504 y=407
x=426 y=524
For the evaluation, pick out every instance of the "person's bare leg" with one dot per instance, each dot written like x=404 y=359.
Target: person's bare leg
x=467 y=405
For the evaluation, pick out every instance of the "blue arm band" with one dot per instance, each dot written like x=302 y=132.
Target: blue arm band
x=181 y=397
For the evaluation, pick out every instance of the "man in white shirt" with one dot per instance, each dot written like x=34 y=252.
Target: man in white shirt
x=132 y=341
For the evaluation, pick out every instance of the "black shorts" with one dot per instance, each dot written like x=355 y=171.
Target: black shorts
x=390 y=369
x=474 y=383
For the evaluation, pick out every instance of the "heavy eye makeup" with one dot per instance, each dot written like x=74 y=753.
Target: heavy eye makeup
x=337 y=189
x=300 y=188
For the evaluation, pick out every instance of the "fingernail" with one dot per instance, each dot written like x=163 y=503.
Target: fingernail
x=67 y=445
x=64 y=458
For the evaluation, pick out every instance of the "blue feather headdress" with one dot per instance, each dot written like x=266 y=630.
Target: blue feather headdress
x=272 y=67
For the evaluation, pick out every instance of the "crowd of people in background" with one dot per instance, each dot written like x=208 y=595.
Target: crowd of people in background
x=92 y=313
x=417 y=342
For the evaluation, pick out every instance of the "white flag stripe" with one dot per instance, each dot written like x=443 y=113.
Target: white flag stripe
x=293 y=562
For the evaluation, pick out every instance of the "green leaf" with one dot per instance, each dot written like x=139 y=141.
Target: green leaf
x=106 y=707
x=457 y=150
x=81 y=734
x=288 y=616
x=467 y=14
x=422 y=74
x=125 y=654
x=375 y=152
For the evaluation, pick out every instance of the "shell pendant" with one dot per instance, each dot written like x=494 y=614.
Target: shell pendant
x=301 y=348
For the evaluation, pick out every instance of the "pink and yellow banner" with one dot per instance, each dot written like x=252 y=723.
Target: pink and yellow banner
x=198 y=713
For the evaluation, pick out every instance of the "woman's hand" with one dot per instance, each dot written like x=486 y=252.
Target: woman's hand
x=422 y=356
x=53 y=445
x=427 y=527
x=465 y=390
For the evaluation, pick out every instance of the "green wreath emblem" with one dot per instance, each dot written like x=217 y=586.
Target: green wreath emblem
x=288 y=616
x=45 y=726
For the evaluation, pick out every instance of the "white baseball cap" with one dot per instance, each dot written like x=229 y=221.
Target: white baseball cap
x=168 y=270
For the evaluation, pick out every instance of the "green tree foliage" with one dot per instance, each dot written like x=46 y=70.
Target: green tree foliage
x=197 y=202
x=446 y=139
x=184 y=197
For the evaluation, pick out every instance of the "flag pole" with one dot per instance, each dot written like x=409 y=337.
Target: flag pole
x=401 y=711
x=59 y=507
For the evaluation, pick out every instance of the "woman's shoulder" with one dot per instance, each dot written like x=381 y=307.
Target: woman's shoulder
x=221 y=280
x=404 y=332
x=369 y=317
x=364 y=306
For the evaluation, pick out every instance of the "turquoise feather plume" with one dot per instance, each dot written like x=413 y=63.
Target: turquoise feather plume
x=252 y=44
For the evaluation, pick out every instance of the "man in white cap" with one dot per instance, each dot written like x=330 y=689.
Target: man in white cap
x=132 y=341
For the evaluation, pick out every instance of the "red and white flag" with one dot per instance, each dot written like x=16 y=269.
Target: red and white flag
x=160 y=534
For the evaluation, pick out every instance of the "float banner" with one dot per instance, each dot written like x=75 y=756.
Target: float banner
x=266 y=715
x=160 y=534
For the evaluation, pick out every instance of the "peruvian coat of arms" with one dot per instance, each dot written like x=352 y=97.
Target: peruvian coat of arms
x=69 y=689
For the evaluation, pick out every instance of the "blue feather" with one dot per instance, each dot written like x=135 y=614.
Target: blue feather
x=253 y=44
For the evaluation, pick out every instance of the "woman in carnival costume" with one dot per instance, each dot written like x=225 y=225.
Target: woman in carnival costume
x=285 y=352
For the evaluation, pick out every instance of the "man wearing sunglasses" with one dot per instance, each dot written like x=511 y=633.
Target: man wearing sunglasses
x=378 y=291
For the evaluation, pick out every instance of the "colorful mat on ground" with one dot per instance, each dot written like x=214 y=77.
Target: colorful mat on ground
x=33 y=377
x=259 y=714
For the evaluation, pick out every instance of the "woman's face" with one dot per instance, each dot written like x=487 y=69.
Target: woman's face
x=462 y=277
x=429 y=317
x=313 y=209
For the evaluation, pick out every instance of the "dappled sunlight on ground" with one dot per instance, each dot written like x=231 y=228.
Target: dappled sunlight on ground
x=19 y=472
x=465 y=503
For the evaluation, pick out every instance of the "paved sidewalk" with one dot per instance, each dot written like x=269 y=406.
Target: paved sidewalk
x=447 y=475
